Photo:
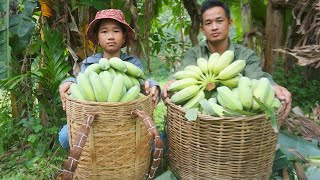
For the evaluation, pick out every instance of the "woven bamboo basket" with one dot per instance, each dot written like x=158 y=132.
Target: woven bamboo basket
x=117 y=146
x=220 y=148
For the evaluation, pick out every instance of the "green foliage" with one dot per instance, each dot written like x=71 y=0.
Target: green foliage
x=54 y=67
x=159 y=74
x=236 y=30
x=3 y=5
x=21 y=28
x=6 y=125
x=19 y=166
x=259 y=11
x=305 y=148
x=28 y=149
x=160 y=71
x=302 y=82
x=98 y=4
x=285 y=158
x=165 y=36
x=5 y=50
x=47 y=72
x=160 y=114
x=281 y=162
x=35 y=131
x=288 y=20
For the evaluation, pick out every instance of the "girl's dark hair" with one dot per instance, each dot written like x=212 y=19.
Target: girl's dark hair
x=97 y=26
x=207 y=4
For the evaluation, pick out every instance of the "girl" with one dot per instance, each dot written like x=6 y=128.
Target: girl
x=111 y=32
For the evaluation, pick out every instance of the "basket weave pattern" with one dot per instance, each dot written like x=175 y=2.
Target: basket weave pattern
x=118 y=146
x=220 y=148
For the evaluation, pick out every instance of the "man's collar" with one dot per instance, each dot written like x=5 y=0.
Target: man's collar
x=230 y=44
x=205 y=44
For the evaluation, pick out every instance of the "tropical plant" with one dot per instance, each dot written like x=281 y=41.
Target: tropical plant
x=53 y=68
x=299 y=82
x=36 y=130
x=296 y=158
x=167 y=37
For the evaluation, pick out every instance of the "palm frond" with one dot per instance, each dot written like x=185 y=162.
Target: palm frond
x=55 y=67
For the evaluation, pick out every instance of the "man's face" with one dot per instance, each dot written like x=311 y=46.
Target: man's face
x=215 y=24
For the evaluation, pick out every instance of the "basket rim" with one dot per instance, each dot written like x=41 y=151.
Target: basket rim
x=204 y=117
x=69 y=98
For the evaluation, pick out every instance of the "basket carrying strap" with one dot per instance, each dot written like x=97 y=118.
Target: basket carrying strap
x=70 y=165
x=158 y=143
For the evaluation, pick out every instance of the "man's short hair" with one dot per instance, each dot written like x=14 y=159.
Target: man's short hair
x=207 y=4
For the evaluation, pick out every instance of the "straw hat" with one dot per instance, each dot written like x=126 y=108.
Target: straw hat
x=115 y=14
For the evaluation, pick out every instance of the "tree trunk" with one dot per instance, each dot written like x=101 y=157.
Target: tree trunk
x=136 y=48
x=246 y=23
x=12 y=9
x=193 y=9
x=274 y=35
x=43 y=114
x=148 y=15
x=181 y=26
x=252 y=37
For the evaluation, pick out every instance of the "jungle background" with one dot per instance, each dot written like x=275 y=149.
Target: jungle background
x=43 y=42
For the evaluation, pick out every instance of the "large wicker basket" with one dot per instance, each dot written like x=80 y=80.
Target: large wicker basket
x=118 y=146
x=220 y=148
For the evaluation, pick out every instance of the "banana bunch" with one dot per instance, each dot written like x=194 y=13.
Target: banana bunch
x=195 y=81
x=111 y=80
x=241 y=97
x=216 y=87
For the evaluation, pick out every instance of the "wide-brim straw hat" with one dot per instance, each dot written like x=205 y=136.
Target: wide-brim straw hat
x=114 y=14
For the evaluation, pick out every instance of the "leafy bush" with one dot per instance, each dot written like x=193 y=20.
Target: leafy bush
x=27 y=148
x=302 y=82
x=29 y=142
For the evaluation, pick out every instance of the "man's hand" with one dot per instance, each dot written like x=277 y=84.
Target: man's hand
x=165 y=93
x=284 y=95
x=63 y=90
x=154 y=91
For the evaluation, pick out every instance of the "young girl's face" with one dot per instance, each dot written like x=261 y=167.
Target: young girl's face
x=110 y=36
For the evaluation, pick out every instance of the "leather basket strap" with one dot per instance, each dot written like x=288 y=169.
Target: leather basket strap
x=158 y=143
x=70 y=165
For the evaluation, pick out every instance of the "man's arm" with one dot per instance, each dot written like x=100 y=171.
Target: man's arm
x=283 y=94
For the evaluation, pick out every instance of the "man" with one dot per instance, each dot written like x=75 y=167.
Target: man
x=215 y=24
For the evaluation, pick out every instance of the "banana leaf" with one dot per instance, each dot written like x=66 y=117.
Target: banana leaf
x=19 y=28
x=288 y=141
x=5 y=49
x=3 y=5
x=168 y=175
x=313 y=173
x=269 y=113
x=280 y=161
x=206 y=106
x=192 y=114
x=304 y=151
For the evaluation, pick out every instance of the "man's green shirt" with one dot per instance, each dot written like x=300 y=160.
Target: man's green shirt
x=252 y=70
